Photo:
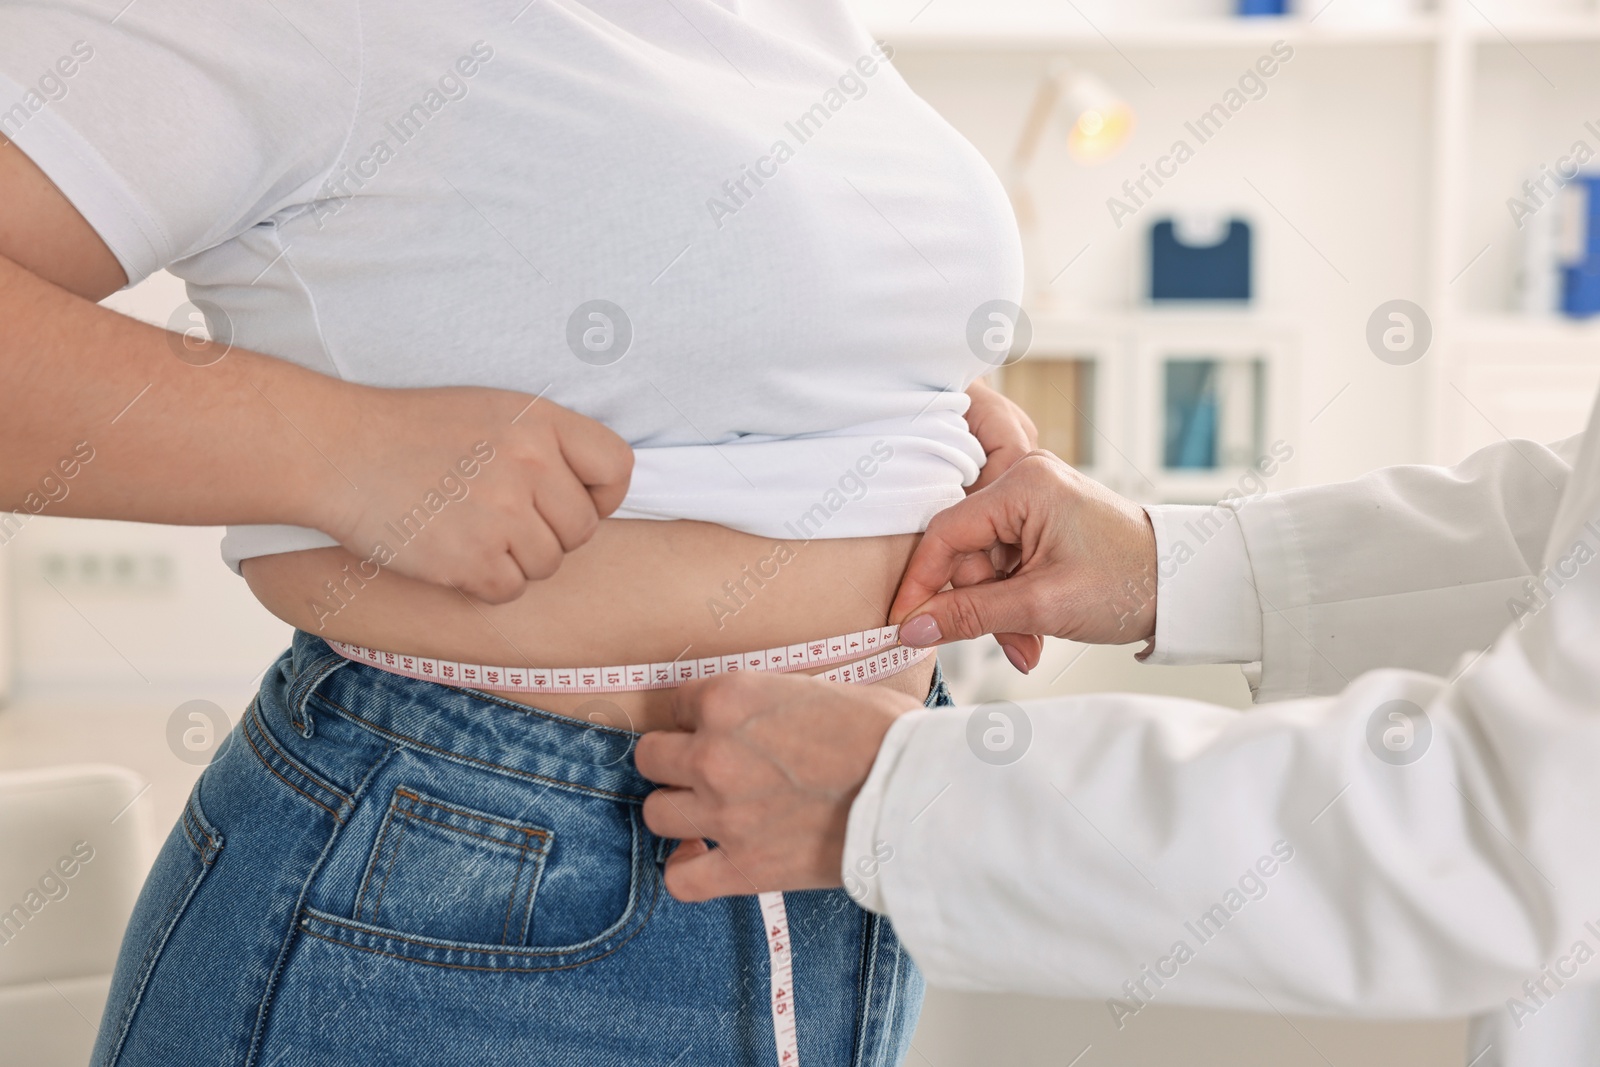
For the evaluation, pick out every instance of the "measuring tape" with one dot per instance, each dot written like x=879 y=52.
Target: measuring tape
x=843 y=655
x=775 y=918
x=883 y=656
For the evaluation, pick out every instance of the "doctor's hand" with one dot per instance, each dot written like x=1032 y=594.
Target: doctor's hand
x=767 y=766
x=1042 y=550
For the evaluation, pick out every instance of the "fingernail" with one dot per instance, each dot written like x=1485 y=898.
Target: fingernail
x=922 y=630
x=1016 y=659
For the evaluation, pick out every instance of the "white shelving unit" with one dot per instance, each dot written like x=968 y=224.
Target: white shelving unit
x=1124 y=419
x=1028 y=28
x=1376 y=167
x=1513 y=93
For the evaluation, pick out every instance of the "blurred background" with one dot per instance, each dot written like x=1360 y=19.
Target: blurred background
x=1347 y=234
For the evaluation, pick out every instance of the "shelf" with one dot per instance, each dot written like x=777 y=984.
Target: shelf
x=1553 y=30
x=1197 y=487
x=1066 y=331
x=1527 y=330
x=1056 y=322
x=1017 y=27
x=1489 y=327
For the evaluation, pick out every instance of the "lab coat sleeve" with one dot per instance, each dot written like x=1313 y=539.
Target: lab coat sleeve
x=1207 y=606
x=1411 y=846
x=1406 y=567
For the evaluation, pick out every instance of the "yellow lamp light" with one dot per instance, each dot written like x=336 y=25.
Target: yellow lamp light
x=1098 y=125
x=1100 y=132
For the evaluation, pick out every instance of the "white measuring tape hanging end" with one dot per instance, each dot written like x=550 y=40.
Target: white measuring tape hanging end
x=780 y=949
x=779 y=953
x=883 y=656
x=843 y=655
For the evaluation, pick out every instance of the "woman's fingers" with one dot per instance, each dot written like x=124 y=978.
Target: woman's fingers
x=521 y=493
x=567 y=508
x=498 y=579
x=602 y=461
x=1003 y=429
x=535 y=547
x=998 y=462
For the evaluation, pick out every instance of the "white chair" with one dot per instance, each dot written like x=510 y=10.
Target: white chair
x=73 y=854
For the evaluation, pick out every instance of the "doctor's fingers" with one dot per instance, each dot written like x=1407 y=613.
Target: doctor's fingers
x=686 y=813
x=718 y=707
x=1006 y=520
x=1023 y=650
x=666 y=757
x=1015 y=609
x=959 y=543
x=697 y=873
x=677 y=813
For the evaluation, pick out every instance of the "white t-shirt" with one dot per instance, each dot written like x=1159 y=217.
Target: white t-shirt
x=789 y=245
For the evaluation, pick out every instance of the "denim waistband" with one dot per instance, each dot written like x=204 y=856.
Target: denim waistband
x=473 y=727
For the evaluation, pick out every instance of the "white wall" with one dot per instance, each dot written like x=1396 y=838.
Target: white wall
x=126 y=610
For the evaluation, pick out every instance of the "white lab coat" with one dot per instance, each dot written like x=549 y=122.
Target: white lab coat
x=1157 y=850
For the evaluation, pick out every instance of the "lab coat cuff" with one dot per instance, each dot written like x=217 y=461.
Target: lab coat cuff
x=1291 y=666
x=865 y=850
x=1207 y=610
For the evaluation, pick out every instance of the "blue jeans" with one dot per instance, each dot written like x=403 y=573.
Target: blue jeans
x=376 y=870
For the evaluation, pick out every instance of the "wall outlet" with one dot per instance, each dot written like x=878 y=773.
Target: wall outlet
x=110 y=572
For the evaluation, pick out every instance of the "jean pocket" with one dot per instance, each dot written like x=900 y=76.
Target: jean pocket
x=446 y=871
x=188 y=856
x=567 y=880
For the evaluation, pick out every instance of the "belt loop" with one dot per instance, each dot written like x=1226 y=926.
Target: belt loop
x=305 y=683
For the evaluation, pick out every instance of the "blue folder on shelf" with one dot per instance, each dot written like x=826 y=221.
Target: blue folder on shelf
x=1580 y=269
x=1189 y=270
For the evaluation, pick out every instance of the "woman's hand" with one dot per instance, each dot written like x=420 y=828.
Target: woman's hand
x=481 y=489
x=1002 y=428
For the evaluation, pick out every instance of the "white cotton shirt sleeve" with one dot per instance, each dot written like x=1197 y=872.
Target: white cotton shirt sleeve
x=178 y=124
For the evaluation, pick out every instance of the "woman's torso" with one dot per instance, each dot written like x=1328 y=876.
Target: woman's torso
x=789 y=244
x=638 y=592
